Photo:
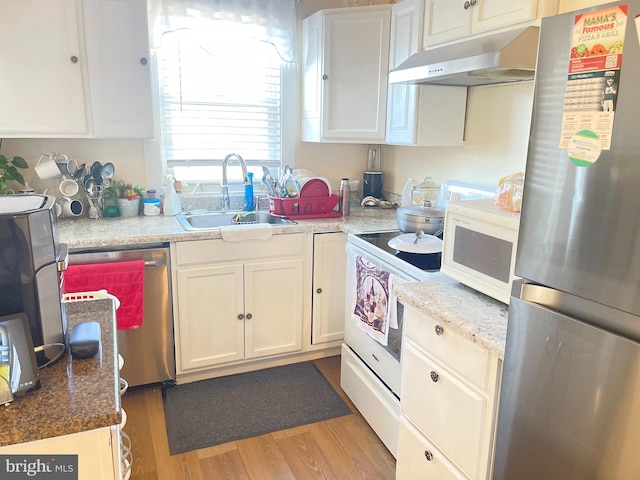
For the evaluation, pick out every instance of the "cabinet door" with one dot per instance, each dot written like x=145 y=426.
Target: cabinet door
x=355 y=61
x=406 y=35
x=41 y=70
x=273 y=307
x=117 y=42
x=345 y=57
x=446 y=20
x=329 y=285
x=492 y=14
x=448 y=412
x=418 y=459
x=211 y=316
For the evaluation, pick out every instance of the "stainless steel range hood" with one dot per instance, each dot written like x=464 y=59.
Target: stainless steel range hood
x=497 y=58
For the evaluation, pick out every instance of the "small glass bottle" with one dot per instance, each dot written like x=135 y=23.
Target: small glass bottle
x=345 y=197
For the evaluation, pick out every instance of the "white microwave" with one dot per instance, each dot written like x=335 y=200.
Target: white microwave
x=479 y=249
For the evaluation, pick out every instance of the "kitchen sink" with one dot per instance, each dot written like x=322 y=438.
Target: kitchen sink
x=211 y=220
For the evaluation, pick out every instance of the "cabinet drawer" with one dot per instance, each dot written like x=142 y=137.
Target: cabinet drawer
x=447 y=411
x=449 y=347
x=217 y=250
x=418 y=459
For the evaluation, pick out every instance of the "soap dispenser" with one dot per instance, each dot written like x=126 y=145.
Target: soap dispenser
x=249 y=202
x=171 y=204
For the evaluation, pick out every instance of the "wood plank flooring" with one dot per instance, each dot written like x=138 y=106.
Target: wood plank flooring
x=340 y=448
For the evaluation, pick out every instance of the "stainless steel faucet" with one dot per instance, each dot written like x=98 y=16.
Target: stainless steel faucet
x=226 y=200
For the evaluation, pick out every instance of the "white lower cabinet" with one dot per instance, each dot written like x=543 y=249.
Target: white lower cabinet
x=98 y=452
x=329 y=287
x=238 y=301
x=418 y=459
x=448 y=406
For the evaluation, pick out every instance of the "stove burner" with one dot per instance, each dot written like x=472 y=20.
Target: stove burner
x=424 y=261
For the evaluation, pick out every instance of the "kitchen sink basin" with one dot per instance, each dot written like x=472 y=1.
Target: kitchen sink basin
x=212 y=220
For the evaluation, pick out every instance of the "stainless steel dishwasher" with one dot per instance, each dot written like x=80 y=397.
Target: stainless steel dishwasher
x=148 y=351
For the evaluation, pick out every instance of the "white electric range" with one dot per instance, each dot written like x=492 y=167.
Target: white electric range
x=371 y=368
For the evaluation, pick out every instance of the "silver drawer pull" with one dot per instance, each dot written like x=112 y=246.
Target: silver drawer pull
x=428 y=455
x=439 y=330
x=434 y=376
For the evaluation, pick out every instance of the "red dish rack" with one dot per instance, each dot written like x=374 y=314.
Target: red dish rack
x=321 y=207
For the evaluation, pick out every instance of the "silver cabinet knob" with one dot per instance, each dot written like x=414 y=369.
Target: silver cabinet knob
x=434 y=376
x=428 y=455
x=319 y=290
x=325 y=76
x=469 y=3
x=240 y=316
x=439 y=330
x=249 y=316
x=143 y=61
x=74 y=59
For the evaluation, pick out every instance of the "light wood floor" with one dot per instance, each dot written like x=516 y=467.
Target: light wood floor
x=341 y=448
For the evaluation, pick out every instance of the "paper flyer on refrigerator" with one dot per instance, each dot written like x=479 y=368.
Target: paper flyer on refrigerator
x=593 y=80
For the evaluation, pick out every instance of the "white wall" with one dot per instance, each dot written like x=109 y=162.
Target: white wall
x=496 y=140
x=497 y=128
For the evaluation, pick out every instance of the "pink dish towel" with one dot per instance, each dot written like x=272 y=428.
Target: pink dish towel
x=124 y=280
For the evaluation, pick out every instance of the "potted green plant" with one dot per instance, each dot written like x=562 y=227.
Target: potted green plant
x=9 y=171
x=126 y=195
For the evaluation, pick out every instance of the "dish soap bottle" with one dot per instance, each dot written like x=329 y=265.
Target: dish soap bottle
x=171 y=205
x=249 y=203
x=406 y=193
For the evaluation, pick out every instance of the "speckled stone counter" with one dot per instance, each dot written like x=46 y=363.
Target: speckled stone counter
x=475 y=315
x=141 y=230
x=76 y=395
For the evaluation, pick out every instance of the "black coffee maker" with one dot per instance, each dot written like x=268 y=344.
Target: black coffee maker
x=31 y=265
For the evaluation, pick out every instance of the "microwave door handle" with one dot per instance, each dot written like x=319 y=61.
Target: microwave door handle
x=62 y=256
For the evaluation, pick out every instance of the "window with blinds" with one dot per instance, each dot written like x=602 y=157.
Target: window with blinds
x=219 y=94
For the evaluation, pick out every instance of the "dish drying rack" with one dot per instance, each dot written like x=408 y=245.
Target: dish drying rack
x=87 y=296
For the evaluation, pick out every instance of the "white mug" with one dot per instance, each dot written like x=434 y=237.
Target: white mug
x=47 y=167
x=68 y=187
x=65 y=165
x=72 y=207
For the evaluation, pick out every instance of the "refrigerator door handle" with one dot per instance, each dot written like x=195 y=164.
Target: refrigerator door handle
x=599 y=315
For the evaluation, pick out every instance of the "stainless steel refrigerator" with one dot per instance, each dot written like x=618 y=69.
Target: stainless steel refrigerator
x=570 y=397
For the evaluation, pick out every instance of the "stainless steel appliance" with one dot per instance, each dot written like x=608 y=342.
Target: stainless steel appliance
x=370 y=371
x=570 y=395
x=148 y=351
x=31 y=261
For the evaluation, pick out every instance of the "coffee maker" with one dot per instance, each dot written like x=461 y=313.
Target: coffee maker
x=372 y=177
x=31 y=265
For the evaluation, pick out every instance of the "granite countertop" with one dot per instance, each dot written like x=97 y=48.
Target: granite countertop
x=75 y=395
x=111 y=232
x=476 y=316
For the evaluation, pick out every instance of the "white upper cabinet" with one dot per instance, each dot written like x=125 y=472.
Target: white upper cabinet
x=75 y=68
x=117 y=40
x=446 y=20
x=424 y=115
x=41 y=68
x=345 y=53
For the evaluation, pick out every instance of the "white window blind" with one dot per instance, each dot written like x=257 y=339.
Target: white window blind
x=218 y=95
